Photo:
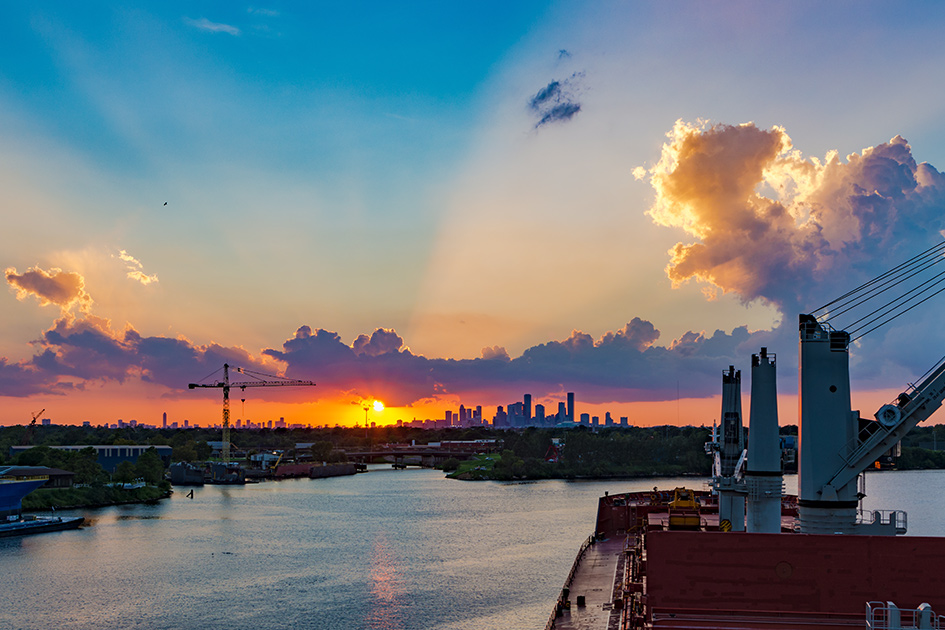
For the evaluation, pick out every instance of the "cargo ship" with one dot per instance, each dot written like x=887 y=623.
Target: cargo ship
x=743 y=555
x=14 y=523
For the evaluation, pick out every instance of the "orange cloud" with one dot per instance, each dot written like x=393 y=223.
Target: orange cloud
x=770 y=224
x=64 y=289
x=135 y=269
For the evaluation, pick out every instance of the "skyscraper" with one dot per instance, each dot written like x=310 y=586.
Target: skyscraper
x=528 y=406
x=571 y=406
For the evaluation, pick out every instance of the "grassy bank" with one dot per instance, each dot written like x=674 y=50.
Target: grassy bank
x=98 y=496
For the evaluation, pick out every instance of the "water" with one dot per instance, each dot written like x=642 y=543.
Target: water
x=389 y=550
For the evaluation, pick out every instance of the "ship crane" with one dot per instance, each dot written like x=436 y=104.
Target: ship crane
x=836 y=444
x=260 y=380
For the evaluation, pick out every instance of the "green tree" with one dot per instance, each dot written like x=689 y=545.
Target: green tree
x=203 y=450
x=125 y=472
x=150 y=467
x=185 y=452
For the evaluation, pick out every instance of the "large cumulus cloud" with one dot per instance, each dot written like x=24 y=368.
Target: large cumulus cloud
x=767 y=223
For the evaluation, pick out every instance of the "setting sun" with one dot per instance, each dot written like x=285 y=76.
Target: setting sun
x=378 y=405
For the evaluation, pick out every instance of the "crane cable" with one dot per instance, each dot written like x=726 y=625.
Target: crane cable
x=886 y=286
x=896 y=315
x=906 y=268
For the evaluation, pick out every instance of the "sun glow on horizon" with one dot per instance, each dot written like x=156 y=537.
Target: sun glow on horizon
x=378 y=405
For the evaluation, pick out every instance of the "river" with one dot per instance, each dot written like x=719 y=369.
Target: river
x=386 y=550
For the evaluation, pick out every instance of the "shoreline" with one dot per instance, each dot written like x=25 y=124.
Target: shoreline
x=51 y=505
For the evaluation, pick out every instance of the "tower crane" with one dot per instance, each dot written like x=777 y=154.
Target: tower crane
x=28 y=436
x=260 y=380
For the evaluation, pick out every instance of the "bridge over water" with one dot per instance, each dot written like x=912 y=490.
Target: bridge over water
x=419 y=455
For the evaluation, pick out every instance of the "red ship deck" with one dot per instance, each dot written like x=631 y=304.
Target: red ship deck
x=643 y=575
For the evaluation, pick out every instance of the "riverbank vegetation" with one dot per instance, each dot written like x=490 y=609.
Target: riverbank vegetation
x=98 y=495
x=583 y=454
x=139 y=482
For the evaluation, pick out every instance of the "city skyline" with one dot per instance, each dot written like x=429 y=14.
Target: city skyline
x=423 y=205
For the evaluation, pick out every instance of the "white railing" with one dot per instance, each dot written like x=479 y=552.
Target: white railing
x=895 y=518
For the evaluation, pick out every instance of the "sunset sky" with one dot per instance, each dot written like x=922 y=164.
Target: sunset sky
x=442 y=203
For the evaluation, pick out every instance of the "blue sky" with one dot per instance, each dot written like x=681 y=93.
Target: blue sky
x=355 y=166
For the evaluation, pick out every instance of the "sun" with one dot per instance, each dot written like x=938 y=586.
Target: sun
x=378 y=405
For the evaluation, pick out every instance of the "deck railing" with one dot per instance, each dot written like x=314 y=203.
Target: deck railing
x=567 y=583
x=888 y=616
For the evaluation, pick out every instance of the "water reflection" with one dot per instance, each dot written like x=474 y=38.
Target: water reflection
x=387 y=588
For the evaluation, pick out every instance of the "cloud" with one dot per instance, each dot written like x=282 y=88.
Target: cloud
x=214 y=27
x=263 y=12
x=622 y=366
x=22 y=379
x=88 y=349
x=135 y=269
x=557 y=101
x=381 y=341
x=495 y=353
x=64 y=289
x=769 y=224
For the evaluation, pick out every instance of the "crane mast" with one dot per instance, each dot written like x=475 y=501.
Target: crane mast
x=262 y=380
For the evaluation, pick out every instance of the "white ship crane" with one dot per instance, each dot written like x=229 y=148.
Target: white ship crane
x=260 y=380
x=836 y=444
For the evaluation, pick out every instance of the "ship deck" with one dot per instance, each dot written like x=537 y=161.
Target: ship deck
x=597 y=575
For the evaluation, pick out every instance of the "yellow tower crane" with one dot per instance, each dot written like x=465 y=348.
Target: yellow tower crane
x=261 y=380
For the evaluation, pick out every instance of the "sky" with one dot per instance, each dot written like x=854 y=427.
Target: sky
x=435 y=204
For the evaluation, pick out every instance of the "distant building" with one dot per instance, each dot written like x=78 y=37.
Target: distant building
x=571 y=406
x=501 y=418
x=585 y=418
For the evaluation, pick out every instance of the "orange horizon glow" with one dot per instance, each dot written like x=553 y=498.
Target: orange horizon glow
x=107 y=407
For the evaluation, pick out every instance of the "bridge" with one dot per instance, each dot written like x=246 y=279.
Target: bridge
x=429 y=455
